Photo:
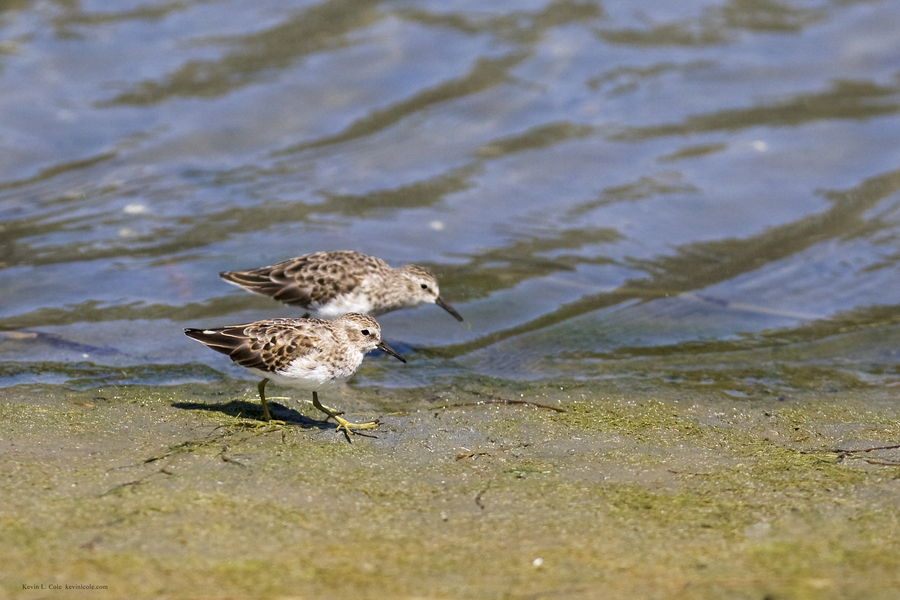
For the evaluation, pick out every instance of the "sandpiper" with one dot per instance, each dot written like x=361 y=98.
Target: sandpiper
x=330 y=284
x=309 y=354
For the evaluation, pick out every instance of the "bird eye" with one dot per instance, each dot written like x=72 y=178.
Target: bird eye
x=424 y=286
x=365 y=332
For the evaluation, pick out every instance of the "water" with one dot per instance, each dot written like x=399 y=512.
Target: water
x=598 y=186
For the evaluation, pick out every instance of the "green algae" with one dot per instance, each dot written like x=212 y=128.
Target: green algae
x=174 y=492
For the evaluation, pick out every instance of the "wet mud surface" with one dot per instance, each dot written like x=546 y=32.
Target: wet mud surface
x=637 y=490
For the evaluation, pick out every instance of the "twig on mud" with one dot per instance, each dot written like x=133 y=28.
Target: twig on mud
x=472 y=455
x=843 y=453
x=480 y=494
x=133 y=484
x=188 y=446
x=228 y=459
x=499 y=400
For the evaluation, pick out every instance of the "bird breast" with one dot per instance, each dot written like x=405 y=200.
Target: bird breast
x=356 y=301
x=318 y=372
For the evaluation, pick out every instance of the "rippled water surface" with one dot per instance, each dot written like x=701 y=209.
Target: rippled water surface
x=594 y=183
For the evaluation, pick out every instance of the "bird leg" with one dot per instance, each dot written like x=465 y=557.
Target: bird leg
x=342 y=423
x=262 y=396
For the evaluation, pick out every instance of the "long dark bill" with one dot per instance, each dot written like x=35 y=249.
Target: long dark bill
x=443 y=304
x=385 y=348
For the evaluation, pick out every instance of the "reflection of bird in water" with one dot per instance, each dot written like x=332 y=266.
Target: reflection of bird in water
x=309 y=354
x=329 y=284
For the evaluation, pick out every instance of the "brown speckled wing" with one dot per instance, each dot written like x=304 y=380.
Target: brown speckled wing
x=273 y=281
x=265 y=345
x=308 y=280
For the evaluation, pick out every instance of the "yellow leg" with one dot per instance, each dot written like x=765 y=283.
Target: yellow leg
x=342 y=423
x=262 y=396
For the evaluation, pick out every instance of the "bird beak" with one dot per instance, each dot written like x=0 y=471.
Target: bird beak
x=443 y=304
x=385 y=348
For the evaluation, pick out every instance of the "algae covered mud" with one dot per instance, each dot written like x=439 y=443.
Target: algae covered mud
x=672 y=229
x=636 y=490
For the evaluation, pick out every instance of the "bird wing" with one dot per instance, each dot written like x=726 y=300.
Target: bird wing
x=314 y=282
x=273 y=281
x=305 y=281
x=265 y=345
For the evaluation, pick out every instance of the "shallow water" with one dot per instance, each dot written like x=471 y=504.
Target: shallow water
x=671 y=227
x=595 y=184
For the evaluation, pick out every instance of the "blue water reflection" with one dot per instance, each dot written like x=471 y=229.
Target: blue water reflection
x=589 y=180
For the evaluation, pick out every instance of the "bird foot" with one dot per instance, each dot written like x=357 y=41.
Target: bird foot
x=349 y=427
x=342 y=422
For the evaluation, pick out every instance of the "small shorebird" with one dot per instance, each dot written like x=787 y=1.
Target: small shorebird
x=309 y=354
x=330 y=284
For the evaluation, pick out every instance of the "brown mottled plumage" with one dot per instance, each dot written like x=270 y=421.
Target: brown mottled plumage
x=329 y=284
x=309 y=354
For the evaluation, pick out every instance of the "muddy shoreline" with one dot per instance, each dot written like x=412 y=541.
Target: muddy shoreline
x=636 y=490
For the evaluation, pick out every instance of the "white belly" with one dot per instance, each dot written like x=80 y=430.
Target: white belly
x=307 y=373
x=341 y=305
